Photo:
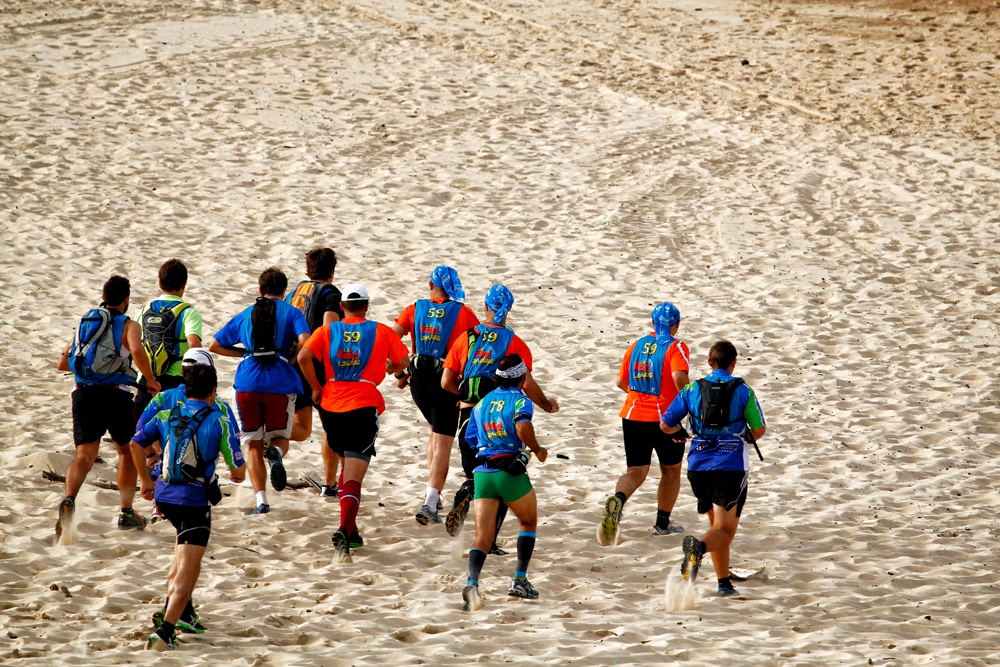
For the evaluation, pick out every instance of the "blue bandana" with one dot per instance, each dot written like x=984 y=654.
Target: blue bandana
x=499 y=300
x=665 y=316
x=447 y=279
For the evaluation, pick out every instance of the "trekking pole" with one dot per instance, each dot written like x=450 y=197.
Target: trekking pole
x=753 y=441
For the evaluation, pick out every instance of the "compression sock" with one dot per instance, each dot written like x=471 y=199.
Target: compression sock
x=431 y=499
x=477 y=558
x=501 y=515
x=622 y=497
x=261 y=497
x=350 y=501
x=525 y=547
x=662 y=519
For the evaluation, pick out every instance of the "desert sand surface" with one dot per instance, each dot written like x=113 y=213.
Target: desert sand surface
x=818 y=182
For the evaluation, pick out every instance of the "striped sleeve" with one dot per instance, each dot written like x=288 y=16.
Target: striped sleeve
x=752 y=413
x=229 y=443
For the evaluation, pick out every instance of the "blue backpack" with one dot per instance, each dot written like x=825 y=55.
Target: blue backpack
x=94 y=357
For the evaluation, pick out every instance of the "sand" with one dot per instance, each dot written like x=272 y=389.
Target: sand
x=815 y=181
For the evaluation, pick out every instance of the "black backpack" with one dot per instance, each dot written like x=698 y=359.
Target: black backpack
x=263 y=324
x=716 y=398
x=307 y=297
x=159 y=336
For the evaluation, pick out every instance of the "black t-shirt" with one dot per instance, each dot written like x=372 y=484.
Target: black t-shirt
x=330 y=298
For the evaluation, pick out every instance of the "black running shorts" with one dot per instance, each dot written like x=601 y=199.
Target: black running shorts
x=143 y=397
x=102 y=409
x=641 y=438
x=725 y=488
x=193 y=523
x=351 y=434
x=439 y=407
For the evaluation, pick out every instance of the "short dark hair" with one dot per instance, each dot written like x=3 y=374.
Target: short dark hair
x=272 y=282
x=722 y=354
x=173 y=275
x=116 y=289
x=354 y=306
x=507 y=362
x=199 y=381
x=320 y=263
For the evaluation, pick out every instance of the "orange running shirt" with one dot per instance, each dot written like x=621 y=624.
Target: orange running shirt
x=645 y=407
x=341 y=395
x=466 y=320
x=459 y=352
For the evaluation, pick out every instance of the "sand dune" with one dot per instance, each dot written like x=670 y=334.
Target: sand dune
x=815 y=181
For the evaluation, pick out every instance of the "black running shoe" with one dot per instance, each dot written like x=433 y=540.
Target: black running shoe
x=459 y=510
x=355 y=541
x=129 y=519
x=341 y=544
x=495 y=550
x=692 y=558
x=191 y=625
x=726 y=592
x=279 y=479
x=67 y=508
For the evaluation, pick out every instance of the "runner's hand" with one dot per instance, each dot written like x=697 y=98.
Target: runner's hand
x=317 y=394
x=553 y=406
x=152 y=386
x=542 y=454
x=146 y=489
x=402 y=382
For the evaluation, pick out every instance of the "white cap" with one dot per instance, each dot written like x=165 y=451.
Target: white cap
x=355 y=292
x=197 y=356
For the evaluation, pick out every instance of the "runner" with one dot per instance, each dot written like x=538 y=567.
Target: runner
x=499 y=430
x=725 y=419
x=100 y=358
x=170 y=327
x=191 y=435
x=468 y=372
x=319 y=301
x=196 y=356
x=653 y=369
x=434 y=324
x=265 y=335
x=356 y=353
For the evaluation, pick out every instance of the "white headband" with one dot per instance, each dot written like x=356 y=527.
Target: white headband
x=514 y=372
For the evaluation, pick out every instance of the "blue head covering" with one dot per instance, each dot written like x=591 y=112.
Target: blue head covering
x=499 y=300
x=447 y=279
x=665 y=316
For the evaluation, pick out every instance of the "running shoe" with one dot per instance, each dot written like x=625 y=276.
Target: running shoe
x=156 y=516
x=279 y=479
x=427 y=516
x=158 y=642
x=263 y=508
x=470 y=598
x=129 y=519
x=459 y=510
x=328 y=491
x=612 y=516
x=355 y=541
x=726 y=592
x=191 y=625
x=66 y=510
x=495 y=550
x=692 y=558
x=522 y=588
x=669 y=530
x=158 y=618
x=341 y=544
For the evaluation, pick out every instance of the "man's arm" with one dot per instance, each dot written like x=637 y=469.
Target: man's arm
x=330 y=316
x=223 y=351
x=526 y=432
x=133 y=343
x=63 y=363
x=681 y=379
x=194 y=341
x=536 y=394
x=670 y=421
x=622 y=384
x=305 y=360
x=449 y=381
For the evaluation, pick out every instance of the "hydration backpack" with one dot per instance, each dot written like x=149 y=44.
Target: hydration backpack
x=716 y=398
x=159 y=336
x=306 y=298
x=182 y=461
x=94 y=357
x=263 y=320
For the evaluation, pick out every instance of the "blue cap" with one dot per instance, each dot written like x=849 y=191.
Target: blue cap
x=500 y=300
x=665 y=316
x=447 y=279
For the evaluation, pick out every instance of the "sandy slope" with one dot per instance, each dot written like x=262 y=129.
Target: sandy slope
x=830 y=206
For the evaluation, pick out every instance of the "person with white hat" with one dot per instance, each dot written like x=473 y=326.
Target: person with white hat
x=356 y=354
